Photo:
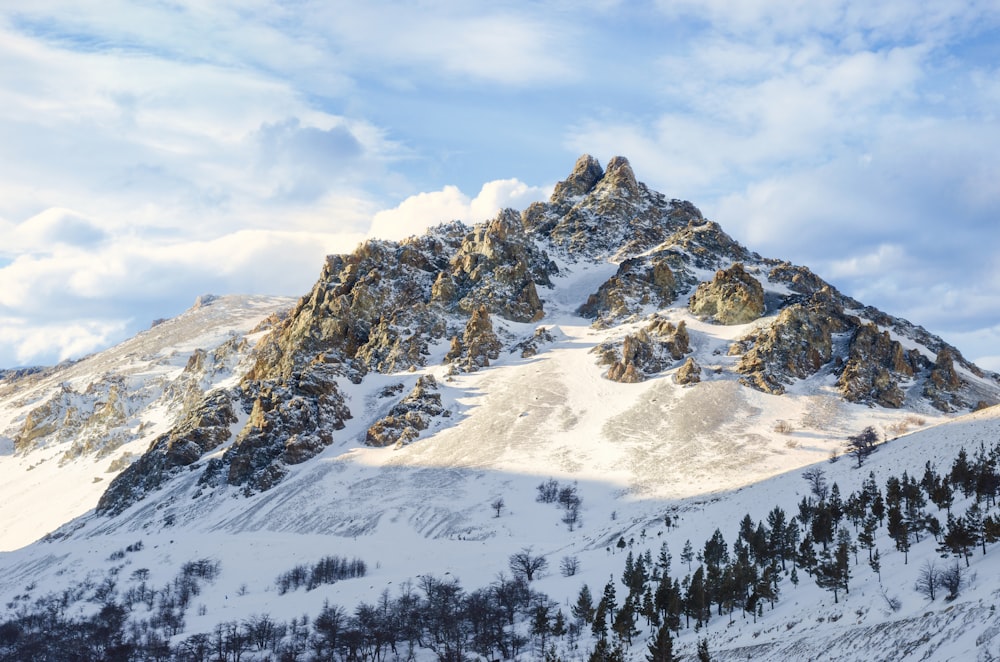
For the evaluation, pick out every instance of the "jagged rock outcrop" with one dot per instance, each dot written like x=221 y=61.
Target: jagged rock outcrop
x=497 y=266
x=943 y=383
x=875 y=365
x=799 y=279
x=706 y=245
x=595 y=214
x=652 y=349
x=795 y=346
x=478 y=344
x=650 y=280
x=409 y=416
x=205 y=428
x=732 y=297
x=689 y=373
x=290 y=422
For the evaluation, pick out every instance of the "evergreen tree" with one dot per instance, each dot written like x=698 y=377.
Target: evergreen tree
x=777 y=528
x=663 y=560
x=583 y=610
x=703 y=655
x=624 y=622
x=962 y=475
x=696 y=601
x=876 y=565
x=899 y=531
x=958 y=539
x=687 y=554
x=661 y=647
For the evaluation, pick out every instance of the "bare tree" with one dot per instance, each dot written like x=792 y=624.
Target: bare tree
x=497 y=505
x=952 y=579
x=862 y=445
x=928 y=580
x=527 y=565
x=816 y=478
x=569 y=566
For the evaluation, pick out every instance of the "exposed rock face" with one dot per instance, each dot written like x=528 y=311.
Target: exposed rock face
x=586 y=173
x=943 y=383
x=651 y=350
x=649 y=280
x=408 y=417
x=478 y=344
x=732 y=297
x=706 y=245
x=796 y=345
x=689 y=373
x=875 y=364
x=290 y=422
x=205 y=428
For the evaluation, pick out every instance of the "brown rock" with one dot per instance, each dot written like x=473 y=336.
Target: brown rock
x=732 y=297
x=689 y=373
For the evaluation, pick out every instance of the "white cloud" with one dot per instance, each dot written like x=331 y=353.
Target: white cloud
x=885 y=258
x=421 y=211
x=47 y=343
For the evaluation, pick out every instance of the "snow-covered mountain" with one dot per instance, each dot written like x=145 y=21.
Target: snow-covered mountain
x=610 y=343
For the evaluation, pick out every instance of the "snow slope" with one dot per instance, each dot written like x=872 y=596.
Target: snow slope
x=146 y=379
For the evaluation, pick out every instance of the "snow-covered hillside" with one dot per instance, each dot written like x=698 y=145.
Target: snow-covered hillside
x=66 y=431
x=662 y=379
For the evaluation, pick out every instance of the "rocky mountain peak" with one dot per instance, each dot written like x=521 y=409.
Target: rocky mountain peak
x=619 y=179
x=586 y=173
x=463 y=295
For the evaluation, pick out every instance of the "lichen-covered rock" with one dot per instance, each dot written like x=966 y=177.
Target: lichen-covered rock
x=732 y=297
x=206 y=427
x=689 y=373
x=478 y=345
x=796 y=345
x=408 y=417
x=875 y=364
x=649 y=280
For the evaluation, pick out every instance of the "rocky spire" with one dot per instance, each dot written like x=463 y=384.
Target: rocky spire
x=586 y=173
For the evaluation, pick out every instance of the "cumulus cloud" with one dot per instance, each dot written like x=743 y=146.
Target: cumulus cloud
x=419 y=212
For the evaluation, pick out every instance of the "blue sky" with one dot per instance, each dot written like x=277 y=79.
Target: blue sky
x=156 y=151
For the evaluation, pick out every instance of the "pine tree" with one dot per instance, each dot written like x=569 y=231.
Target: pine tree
x=661 y=647
x=663 y=560
x=624 y=622
x=687 y=554
x=583 y=610
x=703 y=655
